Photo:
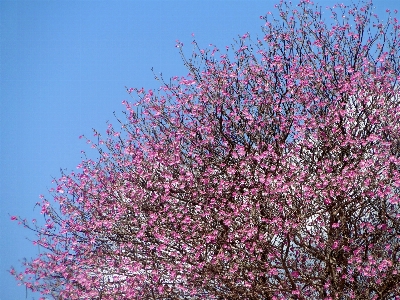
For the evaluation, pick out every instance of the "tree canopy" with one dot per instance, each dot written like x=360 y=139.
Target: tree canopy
x=270 y=171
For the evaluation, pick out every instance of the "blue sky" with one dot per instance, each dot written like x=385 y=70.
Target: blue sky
x=63 y=68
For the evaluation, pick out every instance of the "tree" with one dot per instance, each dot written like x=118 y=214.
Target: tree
x=268 y=173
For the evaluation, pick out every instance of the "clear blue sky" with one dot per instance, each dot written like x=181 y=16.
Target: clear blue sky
x=63 y=68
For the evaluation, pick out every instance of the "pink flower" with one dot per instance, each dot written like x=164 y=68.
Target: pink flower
x=335 y=245
x=273 y=271
x=295 y=274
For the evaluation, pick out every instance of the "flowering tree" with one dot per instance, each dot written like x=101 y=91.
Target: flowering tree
x=268 y=173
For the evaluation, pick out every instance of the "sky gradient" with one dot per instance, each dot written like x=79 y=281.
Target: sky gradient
x=63 y=69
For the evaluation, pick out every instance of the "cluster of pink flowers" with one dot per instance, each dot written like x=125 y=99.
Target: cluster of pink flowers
x=271 y=172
